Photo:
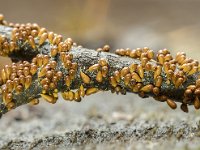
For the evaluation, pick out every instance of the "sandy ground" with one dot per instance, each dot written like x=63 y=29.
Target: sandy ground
x=101 y=121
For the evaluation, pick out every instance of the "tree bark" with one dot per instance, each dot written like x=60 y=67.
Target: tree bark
x=85 y=58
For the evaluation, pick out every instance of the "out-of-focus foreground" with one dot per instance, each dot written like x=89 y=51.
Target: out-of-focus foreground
x=106 y=120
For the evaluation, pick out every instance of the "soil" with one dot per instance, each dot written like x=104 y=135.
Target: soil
x=100 y=121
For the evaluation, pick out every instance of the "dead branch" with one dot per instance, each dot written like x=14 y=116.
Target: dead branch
x=45 y=65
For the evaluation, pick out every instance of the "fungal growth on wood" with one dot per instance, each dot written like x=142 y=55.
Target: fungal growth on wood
x=45 y=64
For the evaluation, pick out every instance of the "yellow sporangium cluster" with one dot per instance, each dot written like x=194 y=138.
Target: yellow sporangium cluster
x=56 y=70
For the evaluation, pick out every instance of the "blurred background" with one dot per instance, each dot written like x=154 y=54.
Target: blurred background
x=172 y=24
x=158 y=24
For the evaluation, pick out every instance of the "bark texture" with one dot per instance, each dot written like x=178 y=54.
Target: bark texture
x=85 y=58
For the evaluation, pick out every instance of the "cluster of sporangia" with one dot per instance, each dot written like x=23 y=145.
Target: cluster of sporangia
x=18 y=77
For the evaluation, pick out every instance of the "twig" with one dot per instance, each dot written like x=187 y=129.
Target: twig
x=44 y=65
